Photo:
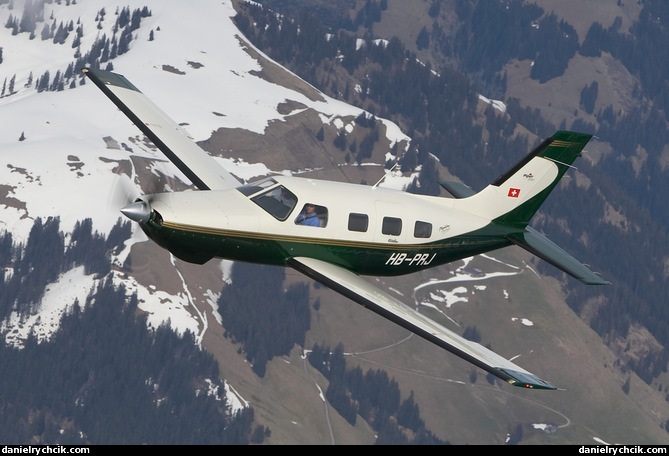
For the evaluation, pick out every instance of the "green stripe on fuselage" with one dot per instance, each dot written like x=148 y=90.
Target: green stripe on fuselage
x=200 y=244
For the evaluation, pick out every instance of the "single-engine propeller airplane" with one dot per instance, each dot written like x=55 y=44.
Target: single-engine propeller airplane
x=335 y=232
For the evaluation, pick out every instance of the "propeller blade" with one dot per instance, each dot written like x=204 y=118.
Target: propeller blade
x=123 y=192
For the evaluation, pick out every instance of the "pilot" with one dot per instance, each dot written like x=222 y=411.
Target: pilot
x=287 y=198
x=308 y=216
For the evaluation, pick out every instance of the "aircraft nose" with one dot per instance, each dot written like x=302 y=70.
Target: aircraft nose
x=139 y=211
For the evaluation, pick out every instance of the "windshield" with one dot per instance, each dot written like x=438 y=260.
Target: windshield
x=255 y=187
x=278 y=201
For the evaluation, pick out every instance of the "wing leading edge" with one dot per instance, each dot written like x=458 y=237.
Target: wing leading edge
x=172 y=140
x=361 y=291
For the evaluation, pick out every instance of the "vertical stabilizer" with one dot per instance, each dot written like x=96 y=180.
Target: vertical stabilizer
x=514 y=197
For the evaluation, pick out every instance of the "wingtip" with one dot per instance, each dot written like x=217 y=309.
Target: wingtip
x=526 y=380
x=595 y=281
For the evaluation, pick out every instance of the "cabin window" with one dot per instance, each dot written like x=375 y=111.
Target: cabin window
x=279 y=202
x=422 y=229
x=312 y=215
x=358 y=222
x=392 y=226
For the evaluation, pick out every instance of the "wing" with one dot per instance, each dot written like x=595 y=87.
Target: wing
x=361 y=291
x=172 y=140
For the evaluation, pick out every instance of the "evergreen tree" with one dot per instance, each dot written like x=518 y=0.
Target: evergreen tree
x=594 y=41
x=46 y=32
x=423 y=39
x=589 y=97
x=516 y=436
x=124 y=41
x=15 y=28
x=340 y=140
x=57 y=83
x=408 y=414
x=43 y=82
x=435 y=9
x=10 y=21
x=472 y=333
x=28 y=18
x=61 y=34
x=135 y=19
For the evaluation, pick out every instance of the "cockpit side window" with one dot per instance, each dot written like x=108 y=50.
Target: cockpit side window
x=312 y=215
x=279 y=202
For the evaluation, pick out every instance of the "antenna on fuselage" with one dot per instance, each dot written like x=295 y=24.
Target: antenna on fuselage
x=385 y=174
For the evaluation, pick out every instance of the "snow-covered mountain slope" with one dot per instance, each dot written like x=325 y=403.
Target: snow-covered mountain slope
x=66 y=150
x=196 y=69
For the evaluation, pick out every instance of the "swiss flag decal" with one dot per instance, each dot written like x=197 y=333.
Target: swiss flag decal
x=513 y=192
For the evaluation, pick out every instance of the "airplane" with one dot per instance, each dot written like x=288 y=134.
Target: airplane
x=356 y=230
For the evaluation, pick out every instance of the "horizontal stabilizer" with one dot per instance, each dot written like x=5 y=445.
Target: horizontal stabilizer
x=363 y=292
x=538 y=244
x=457 y=189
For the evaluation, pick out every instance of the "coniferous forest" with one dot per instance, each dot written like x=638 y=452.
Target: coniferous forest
x=373 y=396
x=265 y=320
x=103 y=377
